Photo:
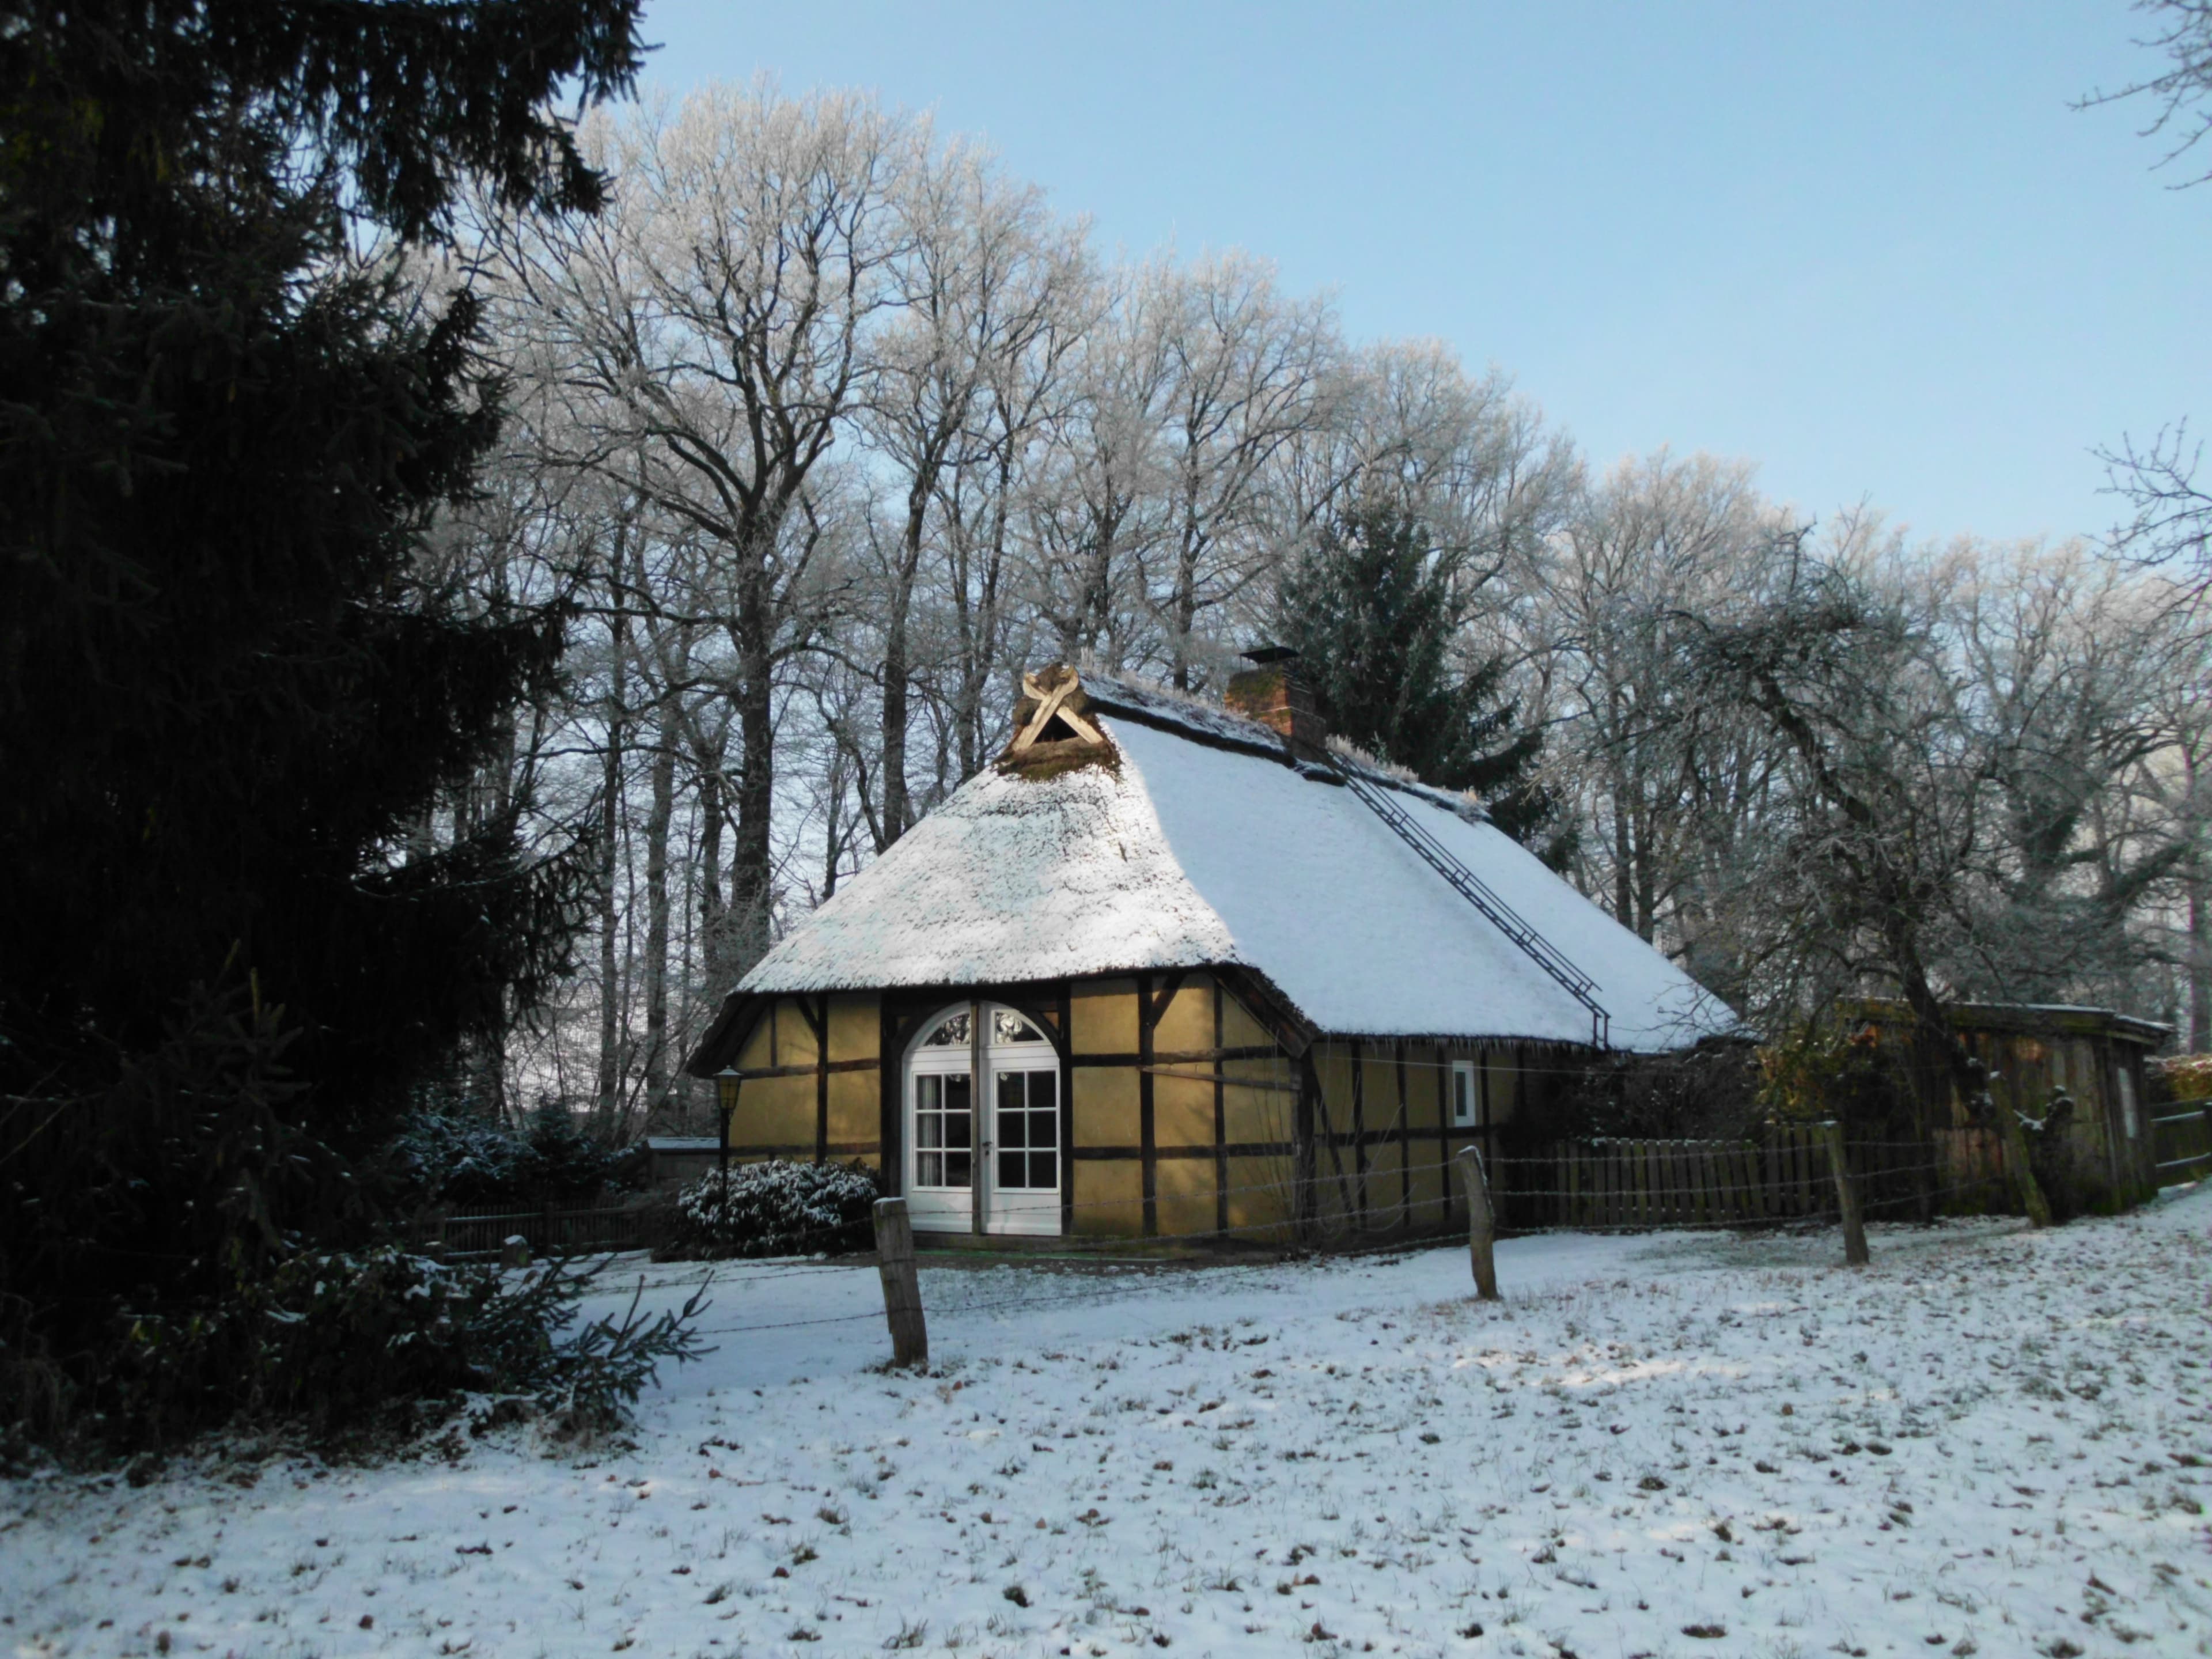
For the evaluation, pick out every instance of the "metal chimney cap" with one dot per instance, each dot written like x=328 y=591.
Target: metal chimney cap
x=1267 y=655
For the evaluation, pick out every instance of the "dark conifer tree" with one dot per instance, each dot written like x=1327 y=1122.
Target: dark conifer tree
x=1378 y=617
x=224 y=693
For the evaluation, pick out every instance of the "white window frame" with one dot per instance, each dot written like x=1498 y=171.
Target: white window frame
x=938 y=1209
x=1001 y=1054
x=1469 y=1108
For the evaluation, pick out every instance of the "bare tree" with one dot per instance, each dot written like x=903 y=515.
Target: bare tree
x=2063 y=655
x=1093 y=506
x=1248 y=372
x=1660 y=777
x=2182 y=92
x=978 y=284
x=712 y=334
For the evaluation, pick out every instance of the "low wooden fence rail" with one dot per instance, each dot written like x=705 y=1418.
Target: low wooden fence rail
x=463 y=1230
x=1783 y=1176
x=2181 y=1132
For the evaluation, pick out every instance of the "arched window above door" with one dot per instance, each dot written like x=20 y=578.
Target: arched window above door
x=950 y=1032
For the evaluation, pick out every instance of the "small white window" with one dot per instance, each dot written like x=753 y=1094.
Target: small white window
x=2128 y=1099
x=1466 y=1097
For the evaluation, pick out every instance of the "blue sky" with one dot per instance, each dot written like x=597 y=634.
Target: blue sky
x=1868 y=246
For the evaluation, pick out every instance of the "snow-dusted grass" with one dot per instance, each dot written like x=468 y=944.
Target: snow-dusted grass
x=1990 y=1441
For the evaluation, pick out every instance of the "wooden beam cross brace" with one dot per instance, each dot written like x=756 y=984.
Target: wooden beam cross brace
x=1050 y=703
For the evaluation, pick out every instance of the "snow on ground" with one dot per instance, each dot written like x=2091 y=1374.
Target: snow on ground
x=1992 y=1441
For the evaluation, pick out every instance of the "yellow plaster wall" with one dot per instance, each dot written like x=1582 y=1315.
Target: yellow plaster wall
x=795 y=1037
x=775 y=1111
x=1379 y=1078
x=1238 y=1028
x=1504 y=1080
x=779 y=1112
x=1382 y=1166
x=1104 y=1016
x=856 y=1114
x=1109 y=1199
x=754 y=1055
x=1187 y=1022
x=855 y=1027
x=1332 y=1064
x=1183 y=1111
x=1106 y=1105
x=1260 y=1197
x=1183 y=1188
x=1259 y=1115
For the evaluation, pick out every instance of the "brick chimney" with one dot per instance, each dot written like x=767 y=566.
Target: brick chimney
x=1271 y=692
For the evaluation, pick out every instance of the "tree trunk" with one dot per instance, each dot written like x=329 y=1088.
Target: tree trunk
x=898 y=808
x=707 y=750
x=980 y=629
x=833 y=828
x=2193 y=895
x=1186 y=588
x=1624 y=860
x=609 y=1091
x=751 y=866
x=659 y=817
x=2200 y=962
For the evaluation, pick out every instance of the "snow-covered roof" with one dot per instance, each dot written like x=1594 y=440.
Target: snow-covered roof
x=1208 y=846
x=2034 y=1018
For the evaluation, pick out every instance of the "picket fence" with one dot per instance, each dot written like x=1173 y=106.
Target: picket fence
x=1783 y=1176
x=461 y=1232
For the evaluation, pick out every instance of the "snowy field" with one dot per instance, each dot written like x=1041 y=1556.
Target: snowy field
x=1989 y=1442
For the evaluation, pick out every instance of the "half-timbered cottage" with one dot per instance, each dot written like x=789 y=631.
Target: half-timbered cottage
x=1177 y=969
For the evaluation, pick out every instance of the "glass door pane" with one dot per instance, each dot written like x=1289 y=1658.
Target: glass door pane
x=1027 y=1134
x=942 y=1130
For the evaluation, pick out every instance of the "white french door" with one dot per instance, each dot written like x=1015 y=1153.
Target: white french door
x=1013 y=1152
x=1021 y=1191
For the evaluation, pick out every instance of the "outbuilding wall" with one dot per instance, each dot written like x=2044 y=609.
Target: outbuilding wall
x=2114 y=1158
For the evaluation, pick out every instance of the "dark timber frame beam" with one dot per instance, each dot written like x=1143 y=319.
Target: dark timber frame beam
x=817 y=1021
x=1151 y=1010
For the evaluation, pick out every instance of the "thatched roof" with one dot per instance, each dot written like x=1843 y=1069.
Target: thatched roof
x=1201 y=842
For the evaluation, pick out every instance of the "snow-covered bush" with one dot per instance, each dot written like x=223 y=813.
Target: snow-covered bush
x=775 y=1208
x=446 y=1156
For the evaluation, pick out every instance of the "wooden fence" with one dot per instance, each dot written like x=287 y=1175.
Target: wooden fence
x=1782 y=1177
x=462 y=1230
x=2181 y=1134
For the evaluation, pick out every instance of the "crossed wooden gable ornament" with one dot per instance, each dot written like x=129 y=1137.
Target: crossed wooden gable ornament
x=1051 y=735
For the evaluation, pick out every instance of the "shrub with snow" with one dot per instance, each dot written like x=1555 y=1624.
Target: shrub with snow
x=350 y=1342
x=443 y=1155
x=775 y=1209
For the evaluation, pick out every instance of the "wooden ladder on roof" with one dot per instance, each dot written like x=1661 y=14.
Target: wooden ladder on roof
x=1472 y=888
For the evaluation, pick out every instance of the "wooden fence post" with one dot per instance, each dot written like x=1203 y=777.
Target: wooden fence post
x=902 y=1283
x=1480 y=1230
x=1847 y=1197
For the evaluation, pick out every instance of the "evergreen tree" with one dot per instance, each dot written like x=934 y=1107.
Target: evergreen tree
x=1378 y=617
x=225 y=694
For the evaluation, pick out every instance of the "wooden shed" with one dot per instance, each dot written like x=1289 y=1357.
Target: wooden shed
x=2032 y=1050
x=1177 y=969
